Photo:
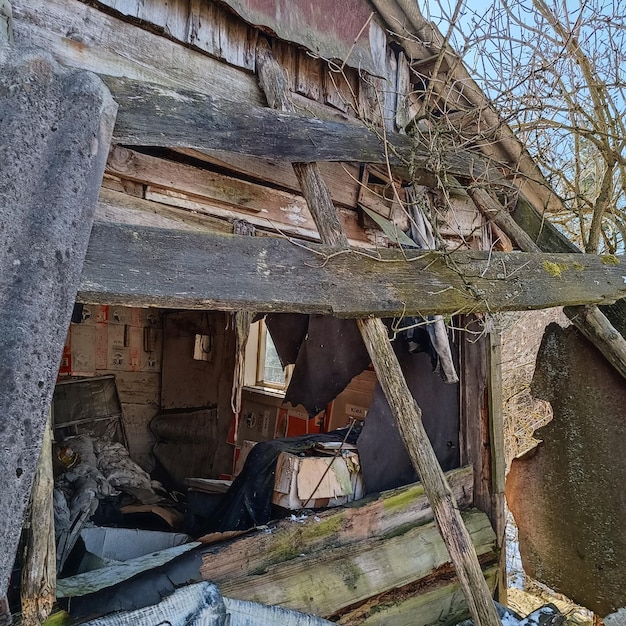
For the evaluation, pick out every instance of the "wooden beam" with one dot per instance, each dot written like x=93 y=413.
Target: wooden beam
x=142 y=266
x=39 y=569
x=324 y=583
x=153 y=115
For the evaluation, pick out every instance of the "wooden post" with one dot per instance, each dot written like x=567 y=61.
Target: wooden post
x=496 y=440
x=588 y=319
x=402 y=403
x=38 y=588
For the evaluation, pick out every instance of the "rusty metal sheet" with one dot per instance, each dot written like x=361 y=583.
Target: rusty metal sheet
x=326 y=27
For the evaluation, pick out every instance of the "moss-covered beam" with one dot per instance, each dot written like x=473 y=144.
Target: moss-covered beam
x=142 y=266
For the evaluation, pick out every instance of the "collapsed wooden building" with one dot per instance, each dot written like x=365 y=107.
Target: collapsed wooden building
x=285 y=172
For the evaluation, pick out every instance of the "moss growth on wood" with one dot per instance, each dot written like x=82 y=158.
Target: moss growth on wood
x=609 y=259
x=554 y=269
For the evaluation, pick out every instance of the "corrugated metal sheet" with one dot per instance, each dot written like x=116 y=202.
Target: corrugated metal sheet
x=326 y=27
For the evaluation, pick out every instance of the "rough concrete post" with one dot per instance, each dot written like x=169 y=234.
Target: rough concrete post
x=6 y=24
x=55 y=130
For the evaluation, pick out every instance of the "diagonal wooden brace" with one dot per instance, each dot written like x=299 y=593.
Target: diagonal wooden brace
x=402 y=403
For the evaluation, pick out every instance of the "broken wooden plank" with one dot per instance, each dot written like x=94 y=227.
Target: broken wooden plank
x=39 y=567
x=343 y=180
x=55 y=127
x=294 y=221
x=215 y=193
x=120 y=208
x=142 y=266
x=422 y=604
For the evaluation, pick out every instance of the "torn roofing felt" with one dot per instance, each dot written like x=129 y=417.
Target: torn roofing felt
x=330 y=354
x=384 y=460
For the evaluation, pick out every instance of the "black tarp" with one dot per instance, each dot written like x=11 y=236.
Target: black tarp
x=248 y=502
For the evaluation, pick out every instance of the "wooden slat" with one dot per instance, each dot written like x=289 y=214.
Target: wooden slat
x=294 y=221
x=121 y=208
x=80 y=36
x=153 y=267
x=39 y=564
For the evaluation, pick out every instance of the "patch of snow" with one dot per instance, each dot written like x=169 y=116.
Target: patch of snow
x=509 y=620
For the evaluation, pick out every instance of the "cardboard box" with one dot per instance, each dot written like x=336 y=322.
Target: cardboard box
x=242 y=455
x=317 y=481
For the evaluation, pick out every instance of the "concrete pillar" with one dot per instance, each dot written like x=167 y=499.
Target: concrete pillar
x=55 y=130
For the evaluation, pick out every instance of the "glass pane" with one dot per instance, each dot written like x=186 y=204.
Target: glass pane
x=274 y=372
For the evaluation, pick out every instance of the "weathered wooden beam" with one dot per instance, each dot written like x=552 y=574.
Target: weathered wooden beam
x=337 y=577
x=152 y=115
x=590 y=320
x=55 y=127
x=143 y=266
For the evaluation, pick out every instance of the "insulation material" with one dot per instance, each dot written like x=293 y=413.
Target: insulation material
x=567 y=494
x=203 y=605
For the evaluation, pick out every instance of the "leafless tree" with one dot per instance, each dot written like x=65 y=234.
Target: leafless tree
x=555 y=71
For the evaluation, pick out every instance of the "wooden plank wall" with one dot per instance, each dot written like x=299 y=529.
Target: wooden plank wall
x=210 y=51
x=213 y=29
x=125 y=342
